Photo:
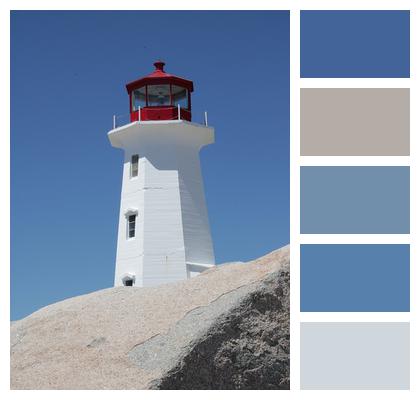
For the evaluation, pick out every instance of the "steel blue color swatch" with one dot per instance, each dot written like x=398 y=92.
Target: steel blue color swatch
x=355 y=200
x=355 y=278
x=355 y=44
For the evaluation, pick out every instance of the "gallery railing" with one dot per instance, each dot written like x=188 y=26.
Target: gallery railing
x=125 y=119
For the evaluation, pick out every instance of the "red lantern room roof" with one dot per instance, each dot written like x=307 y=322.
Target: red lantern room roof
x=159 y=76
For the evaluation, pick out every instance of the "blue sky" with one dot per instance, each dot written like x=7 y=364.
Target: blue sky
x=68 y=76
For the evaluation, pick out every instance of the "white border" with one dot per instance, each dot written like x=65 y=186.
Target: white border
x=294 y=200
x=354 y=83
x=354 y=317
x=355 y=239
x=296 y=83
x=355 y=160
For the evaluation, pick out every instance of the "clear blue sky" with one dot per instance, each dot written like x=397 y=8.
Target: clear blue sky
x=68 y=75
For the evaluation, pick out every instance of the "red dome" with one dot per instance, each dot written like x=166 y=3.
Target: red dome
x=159 y=76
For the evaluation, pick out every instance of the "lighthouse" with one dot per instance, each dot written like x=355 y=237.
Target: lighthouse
x=163 y=231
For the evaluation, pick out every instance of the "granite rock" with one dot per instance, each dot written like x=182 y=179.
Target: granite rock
x=228 y=328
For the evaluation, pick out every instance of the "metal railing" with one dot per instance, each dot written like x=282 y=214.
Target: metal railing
x=120 y=120
x=125 y=119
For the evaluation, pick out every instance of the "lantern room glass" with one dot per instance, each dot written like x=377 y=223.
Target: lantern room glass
x=138 y=98
x=158 y=95
x=180 y=96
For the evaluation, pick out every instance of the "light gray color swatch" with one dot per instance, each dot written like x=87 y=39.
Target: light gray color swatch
x=355 y=122
x=355 y=199
x=355 y=355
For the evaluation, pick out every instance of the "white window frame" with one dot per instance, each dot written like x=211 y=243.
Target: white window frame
x=129 y=214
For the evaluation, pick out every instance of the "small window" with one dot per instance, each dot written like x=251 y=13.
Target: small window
x=134 y=167
x=131 y=226
x=128 y=282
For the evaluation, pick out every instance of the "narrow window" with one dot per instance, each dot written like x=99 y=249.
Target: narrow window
x=134 y=167
x=131 y=228
x=128 y=282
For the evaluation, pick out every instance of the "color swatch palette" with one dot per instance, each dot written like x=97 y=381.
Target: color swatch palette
x=354 y=199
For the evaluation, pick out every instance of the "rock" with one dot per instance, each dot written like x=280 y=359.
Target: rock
x=227 y=328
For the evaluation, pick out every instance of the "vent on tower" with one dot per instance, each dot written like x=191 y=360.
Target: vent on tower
x=128 y=280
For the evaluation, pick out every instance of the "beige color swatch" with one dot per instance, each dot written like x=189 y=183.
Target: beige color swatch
x=355 y=122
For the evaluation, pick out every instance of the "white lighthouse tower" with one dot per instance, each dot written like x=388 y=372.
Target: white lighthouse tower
x=163 y=232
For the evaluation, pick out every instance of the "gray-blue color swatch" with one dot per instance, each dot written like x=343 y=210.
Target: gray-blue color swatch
x=355 y=44
x=355 y=200
x=355 y=278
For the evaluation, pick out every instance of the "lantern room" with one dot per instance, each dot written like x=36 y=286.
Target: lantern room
x=160 y=96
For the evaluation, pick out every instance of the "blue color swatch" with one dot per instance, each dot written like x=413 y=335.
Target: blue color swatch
x=355 y=278
x=355 y=44
x=355 y=200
